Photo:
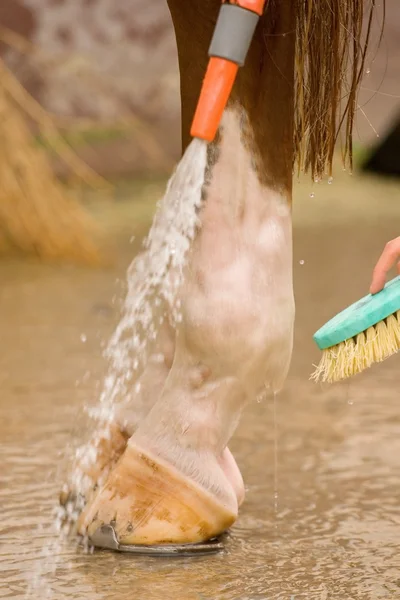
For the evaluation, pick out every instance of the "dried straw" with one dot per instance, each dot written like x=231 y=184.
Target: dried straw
x=37 y=215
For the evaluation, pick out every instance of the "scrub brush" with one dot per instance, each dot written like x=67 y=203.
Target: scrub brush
x=366 y=332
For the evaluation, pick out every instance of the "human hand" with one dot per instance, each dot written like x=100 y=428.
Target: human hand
x=389 y=256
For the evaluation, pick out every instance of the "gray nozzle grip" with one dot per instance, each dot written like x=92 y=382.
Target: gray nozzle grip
x=233 y=33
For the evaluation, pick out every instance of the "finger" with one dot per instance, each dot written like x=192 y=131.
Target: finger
x=383 y=266
x=378 y=283
x=386 y=261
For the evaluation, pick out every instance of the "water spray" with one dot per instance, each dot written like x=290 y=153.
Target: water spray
x=167 y=245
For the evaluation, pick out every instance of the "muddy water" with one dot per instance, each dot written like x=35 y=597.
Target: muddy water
x=333 y=530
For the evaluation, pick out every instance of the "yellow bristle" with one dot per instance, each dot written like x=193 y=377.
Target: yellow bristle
x=323 y=372
x=394 y=326
x=370 y=347
x=387 y=341
x=360 y=361
x=350 y=350
x=380 y=345
x=354 y=356
x=341 y=357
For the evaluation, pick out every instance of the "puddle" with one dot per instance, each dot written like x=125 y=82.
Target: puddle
x=333 y=531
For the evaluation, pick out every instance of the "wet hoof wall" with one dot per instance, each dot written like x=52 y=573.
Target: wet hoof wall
x=105 y=537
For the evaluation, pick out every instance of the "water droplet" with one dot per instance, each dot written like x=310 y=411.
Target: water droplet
x=312 y=195
x=132 y=239
x=149 y=277
x=301 y=262
x=368 y=71
x=351 y=402
x=83 y=338
x=138 y=387
x=330 y=180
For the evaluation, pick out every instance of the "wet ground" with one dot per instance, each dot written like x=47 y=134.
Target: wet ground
x=332 y=532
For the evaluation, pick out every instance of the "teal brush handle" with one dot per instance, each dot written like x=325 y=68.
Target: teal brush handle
x=360 y=316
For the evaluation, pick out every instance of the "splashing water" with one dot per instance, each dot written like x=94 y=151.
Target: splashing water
x=153 y=281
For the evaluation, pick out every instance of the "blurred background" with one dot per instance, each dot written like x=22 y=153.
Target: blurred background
x=89 y=97
x=115 y=65
x=111 y=63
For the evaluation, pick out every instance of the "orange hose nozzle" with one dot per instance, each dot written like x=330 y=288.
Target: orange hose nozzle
x=256 y=6
x=217 y=86
x=233 y=33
